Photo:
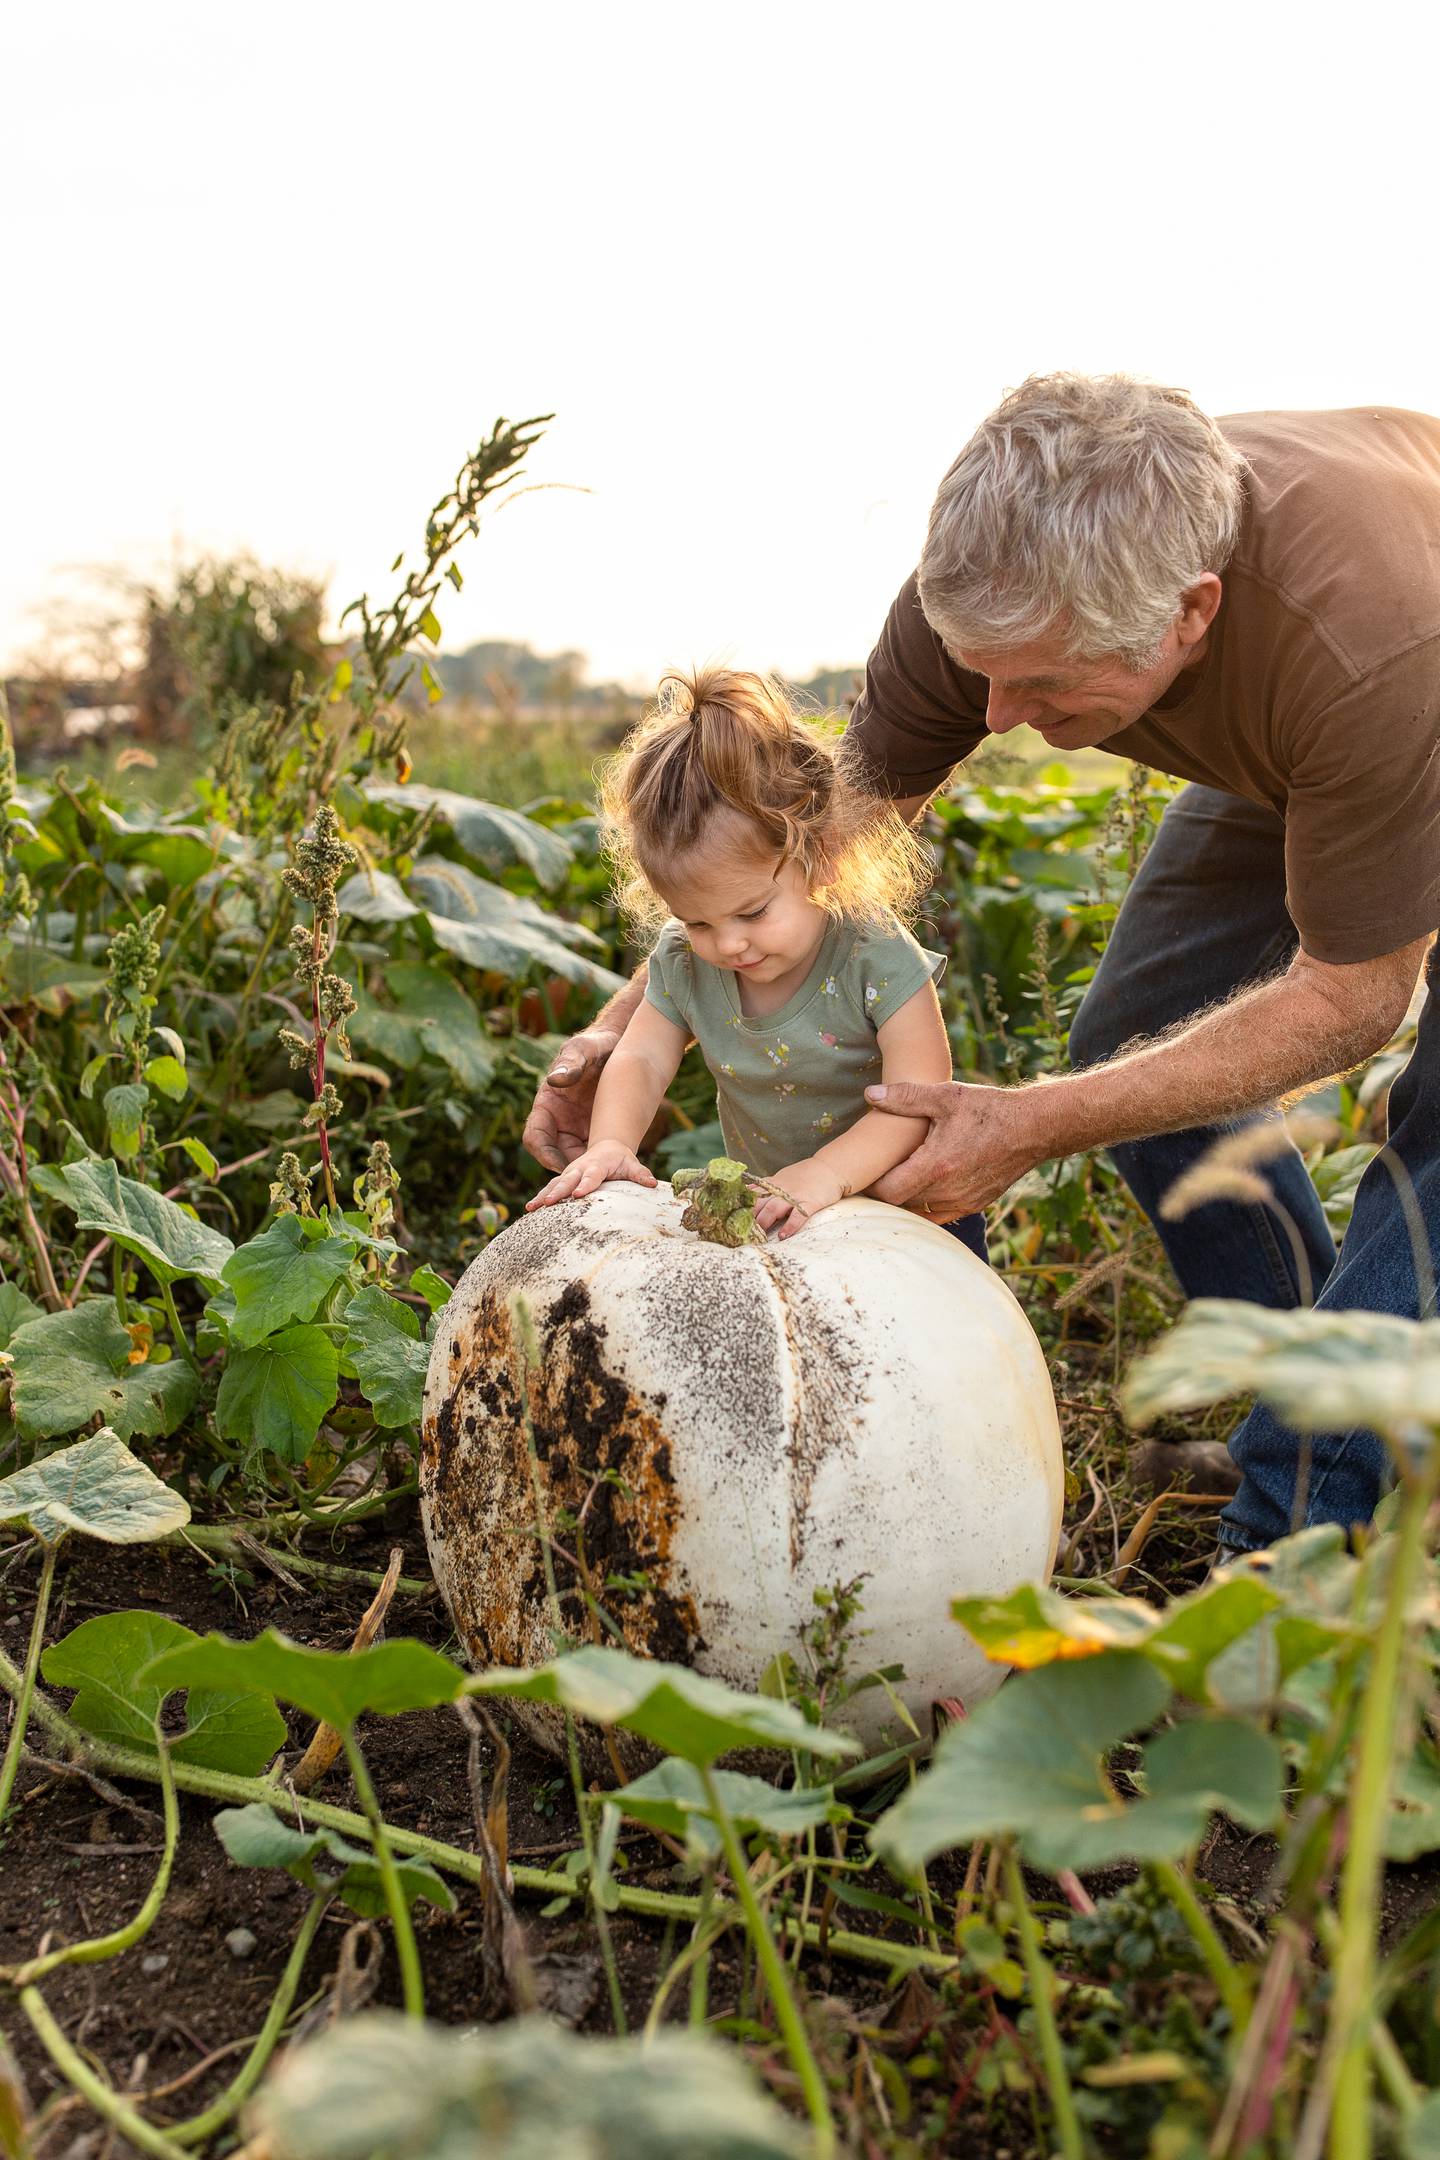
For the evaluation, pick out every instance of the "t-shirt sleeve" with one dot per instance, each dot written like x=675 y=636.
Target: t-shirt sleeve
x=890 y=966
x=670 y=976
x=1362 y=820
x=918 y=714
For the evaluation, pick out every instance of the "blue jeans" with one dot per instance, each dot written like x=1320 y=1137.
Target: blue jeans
x=1205 y=917
x=970 y=1229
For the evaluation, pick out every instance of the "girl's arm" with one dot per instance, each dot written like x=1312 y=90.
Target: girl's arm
x=912 y=1041
x=632 y=1086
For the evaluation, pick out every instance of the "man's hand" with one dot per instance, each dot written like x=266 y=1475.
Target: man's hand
x=558 y=1126
x=981 y=1140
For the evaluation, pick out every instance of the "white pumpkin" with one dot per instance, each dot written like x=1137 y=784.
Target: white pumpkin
x=865 y=1399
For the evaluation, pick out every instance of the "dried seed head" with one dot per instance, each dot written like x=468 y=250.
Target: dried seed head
x=290 y=1193
x=1211 y=1180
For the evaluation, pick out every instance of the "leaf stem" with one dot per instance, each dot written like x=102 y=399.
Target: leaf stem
x=167 y=1292
x=1041 y=1980
x=198 y=2127
x=787 y=2010
x=102 y=2097
x=412 y=1984
x=1233 y=1988
x=96 y=1948
x=11 y=1765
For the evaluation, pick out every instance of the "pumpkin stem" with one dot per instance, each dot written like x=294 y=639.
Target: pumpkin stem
x=722 y=1201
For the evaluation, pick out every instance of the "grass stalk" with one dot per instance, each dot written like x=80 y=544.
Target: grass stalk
x=1230 y=1982
x=1041 y=1982
x=196 y=2128
x=772 y=1965
x=9 y=1769
x=1384 y=1705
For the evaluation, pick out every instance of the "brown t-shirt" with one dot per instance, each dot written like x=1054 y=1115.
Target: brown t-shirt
x=1319 y=693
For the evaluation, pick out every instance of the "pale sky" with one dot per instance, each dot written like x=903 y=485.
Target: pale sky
x=271 y=270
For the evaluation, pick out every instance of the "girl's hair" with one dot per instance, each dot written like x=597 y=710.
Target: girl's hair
x=719 y=747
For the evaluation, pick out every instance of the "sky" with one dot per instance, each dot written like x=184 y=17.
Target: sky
x=272 y=271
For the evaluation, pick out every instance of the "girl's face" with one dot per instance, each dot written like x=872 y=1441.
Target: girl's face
x=746 y=912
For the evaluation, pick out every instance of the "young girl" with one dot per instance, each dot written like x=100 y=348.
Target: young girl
x=777 y=886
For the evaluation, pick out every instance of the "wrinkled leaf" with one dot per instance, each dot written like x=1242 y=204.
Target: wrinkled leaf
x=125 y=1107
x=431 y=1017
x=388 y=1358
x=282 y=1276
x=333 y=1686
x=34 y=975
x=72 y=1366
x=525 y=2090
x=104 y=1659
x=170 y=1242
x=1318 y=1371
x=496 y=838
x=1035 y=1626
x=95 y=1486
x=256 y=1836
x=374 y=896
x=16 y=1309
x=1028 y=1761
x=672 y=1797
x=274 y=1394
x=683 y=1712
x=426 y=1283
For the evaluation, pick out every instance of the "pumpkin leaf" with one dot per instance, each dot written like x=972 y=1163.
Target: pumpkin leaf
x=97 y=1487
x=16 y=1309
x=672 y=1797
x=168 y=1239
x=384 y=1350
x=681 y=1711
x=501 y=932
x=104 y=1659
x=374 y=896
x=74 y=1365
x=333 y=1686
x=255 y=1836
x=1318 y=1371
x=274 y=1393
x=1034 y=1626
x=496 y=838
x=380 y=2083
x=282 y=1276
x=431 y=1017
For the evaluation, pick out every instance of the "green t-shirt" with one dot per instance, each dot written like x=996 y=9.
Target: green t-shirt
x=788 y=1081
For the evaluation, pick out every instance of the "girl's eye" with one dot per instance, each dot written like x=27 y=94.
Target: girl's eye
x=756 y=914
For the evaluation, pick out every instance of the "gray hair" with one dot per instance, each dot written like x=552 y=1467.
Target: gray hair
x=1082 y=509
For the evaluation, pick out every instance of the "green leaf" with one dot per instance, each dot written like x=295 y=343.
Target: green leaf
x=201 y=1156
x=1420 y=2132
x=1034 y=1626
x=672 y=1797
x=282 y=1276
x=97 y=1487
x=255 y=1836
x=1028 y=1761
x=374 y=896
x=168 y=1239
x=92 y=1073
x=681 y=1711
x=34 y=975
x=274 y=1395
x=426 y=1283
x=500 y=931
x=1413 y=1828
x=169 y=1075
x=341 y=680
x=525 y=2090
x=1204 y=1766
x=125 y=1107
x=334 y=1686
x=1319 y=1371
x=75 y=1365
x=433 y=1017
x=383 y=1346
x=429 y=626
x=16 y=1309
x=105 y=1657
x=496 y=838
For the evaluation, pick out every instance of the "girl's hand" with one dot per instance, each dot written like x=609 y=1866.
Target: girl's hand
x=810 y=1187
x=605 y=1160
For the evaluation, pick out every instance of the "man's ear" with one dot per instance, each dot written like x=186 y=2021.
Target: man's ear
x=1199 y=605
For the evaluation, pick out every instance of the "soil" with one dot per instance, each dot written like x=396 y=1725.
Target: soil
x=75 y=1864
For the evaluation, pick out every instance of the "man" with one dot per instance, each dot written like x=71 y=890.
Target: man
x=1254 y=606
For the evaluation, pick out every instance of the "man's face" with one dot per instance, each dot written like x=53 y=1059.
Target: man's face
x=1072 y=704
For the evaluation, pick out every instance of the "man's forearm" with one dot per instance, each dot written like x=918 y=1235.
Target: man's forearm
x=615 y=1015
x=1283 y=1036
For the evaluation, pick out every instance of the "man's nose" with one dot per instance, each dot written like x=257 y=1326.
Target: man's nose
x=1007 y=709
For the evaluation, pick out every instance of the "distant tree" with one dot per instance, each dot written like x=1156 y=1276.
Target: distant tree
x=227 y=633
